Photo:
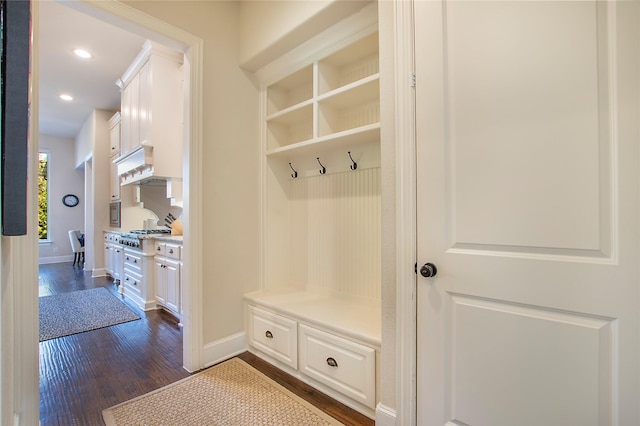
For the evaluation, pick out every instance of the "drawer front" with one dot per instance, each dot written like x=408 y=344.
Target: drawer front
x=274 y=335
x=132 y=283
x=343 y=365
x=133 y=261
x=159 y=248
x=173 y=251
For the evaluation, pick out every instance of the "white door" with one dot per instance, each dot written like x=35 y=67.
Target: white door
x=528 y=189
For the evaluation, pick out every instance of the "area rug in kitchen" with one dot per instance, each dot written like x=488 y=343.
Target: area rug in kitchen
x=230 y=393
x=78 y=311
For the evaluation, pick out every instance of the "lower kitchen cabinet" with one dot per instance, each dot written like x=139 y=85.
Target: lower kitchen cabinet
x=113 y=256
x=167 y=273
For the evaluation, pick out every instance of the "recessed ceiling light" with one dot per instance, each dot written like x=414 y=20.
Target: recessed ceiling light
x=83 y=53
x=66 y=97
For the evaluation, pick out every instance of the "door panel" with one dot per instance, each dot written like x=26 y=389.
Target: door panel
x=527 y=145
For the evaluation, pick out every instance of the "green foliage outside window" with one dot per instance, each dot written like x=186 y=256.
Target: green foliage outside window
x=43 y=195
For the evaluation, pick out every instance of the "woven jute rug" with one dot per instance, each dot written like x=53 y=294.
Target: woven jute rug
x=230 y=393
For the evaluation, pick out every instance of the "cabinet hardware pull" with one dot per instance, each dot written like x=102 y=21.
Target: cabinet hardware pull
x=158 y=249
x=332 y=362
x=323 y=170
x=268 y=334
x=171 y=251
x=295 y=173
x=354 y=165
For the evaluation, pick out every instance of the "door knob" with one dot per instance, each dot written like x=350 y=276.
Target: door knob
x=428 y=270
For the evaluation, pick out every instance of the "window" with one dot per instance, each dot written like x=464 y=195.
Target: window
x=43 y=195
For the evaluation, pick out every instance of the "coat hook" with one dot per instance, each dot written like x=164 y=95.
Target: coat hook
x=324 y=169
x=354 y=165
x=295 y=173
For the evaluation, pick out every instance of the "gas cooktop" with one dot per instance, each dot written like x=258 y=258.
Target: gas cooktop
x=150 y=231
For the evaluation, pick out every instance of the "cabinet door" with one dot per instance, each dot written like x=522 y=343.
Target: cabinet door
x=114 y=150
x=134 y=102
x=144 y=104
x=107 y=259
x=116 y=261
x=125 y=120
x=172 y=273
x=115 y=183
x=161 y=280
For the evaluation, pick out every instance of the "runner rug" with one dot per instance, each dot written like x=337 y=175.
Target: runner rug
x=230 y=393
x=78 y=311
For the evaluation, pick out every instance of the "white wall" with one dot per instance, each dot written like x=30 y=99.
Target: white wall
x=230 y=162
x=269 y=29
x=93 y=145
x=64 y=178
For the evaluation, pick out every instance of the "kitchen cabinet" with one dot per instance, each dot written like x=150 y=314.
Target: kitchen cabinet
x=322 y=213
x=152 y=115
x=167 y=275
x=113 y=255
x=114 y=151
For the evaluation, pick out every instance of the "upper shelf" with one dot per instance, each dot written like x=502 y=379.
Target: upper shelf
x=333 y=102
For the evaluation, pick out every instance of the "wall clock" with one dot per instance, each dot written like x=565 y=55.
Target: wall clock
x=70 y=200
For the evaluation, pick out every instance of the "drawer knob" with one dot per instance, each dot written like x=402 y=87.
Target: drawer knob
x=268 y=334
x=171 y=251
x=332 y=362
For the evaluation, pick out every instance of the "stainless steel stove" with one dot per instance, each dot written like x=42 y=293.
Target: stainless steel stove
x=134 y=238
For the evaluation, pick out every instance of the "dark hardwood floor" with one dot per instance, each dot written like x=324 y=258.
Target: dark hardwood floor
x=82 y=374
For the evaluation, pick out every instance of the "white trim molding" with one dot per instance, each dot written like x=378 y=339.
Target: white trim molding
x=133 y=20
x=385 y=416
x=225 y=348
x=405 y=214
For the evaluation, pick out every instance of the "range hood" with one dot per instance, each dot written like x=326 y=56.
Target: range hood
x=141 y=168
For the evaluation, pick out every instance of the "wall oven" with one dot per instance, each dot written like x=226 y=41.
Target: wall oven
x=114 y=215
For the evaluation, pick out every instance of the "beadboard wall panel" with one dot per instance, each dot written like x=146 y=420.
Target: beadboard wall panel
x=335 y=233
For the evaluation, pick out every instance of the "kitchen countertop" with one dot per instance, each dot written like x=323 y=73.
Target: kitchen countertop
x=168 y=238
x=176 y=239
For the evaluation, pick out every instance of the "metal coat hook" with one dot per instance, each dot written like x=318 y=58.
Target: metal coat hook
x=354 y=165
x=295 y=173
x=324 y=169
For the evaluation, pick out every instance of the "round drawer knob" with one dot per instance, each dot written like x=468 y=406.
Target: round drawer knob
x=268 y=334
x=331 y=362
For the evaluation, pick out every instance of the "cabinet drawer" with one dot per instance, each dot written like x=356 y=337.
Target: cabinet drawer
x=173 y=251
x=132 y=261
x=274 y=335
x=132 y=283
x=343 y=365
x=160 y=248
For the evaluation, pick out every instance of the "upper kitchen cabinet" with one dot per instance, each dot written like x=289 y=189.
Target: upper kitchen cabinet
x=151 y=116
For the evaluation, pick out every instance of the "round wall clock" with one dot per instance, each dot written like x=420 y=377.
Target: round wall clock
x=70 y=200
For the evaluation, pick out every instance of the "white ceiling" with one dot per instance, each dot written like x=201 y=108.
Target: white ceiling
x=90 y=81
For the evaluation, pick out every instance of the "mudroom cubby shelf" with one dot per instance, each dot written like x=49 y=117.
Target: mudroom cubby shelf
x=321 y=286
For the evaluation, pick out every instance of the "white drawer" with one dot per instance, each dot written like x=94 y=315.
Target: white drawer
x=132 y=283
x=133 y=261
x=160 y=248
x=173 y=251
x=343 y=365
x=274 y=335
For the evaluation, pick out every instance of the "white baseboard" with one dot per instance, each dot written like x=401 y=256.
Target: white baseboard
x=55 y=259
x=224 y=349
x=99 y=272
x=385 y=416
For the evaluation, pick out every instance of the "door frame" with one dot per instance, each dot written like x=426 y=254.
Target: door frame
x=114 y=12
x=406 y=220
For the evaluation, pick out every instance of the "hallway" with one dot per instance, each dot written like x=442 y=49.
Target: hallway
x=82 y=374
